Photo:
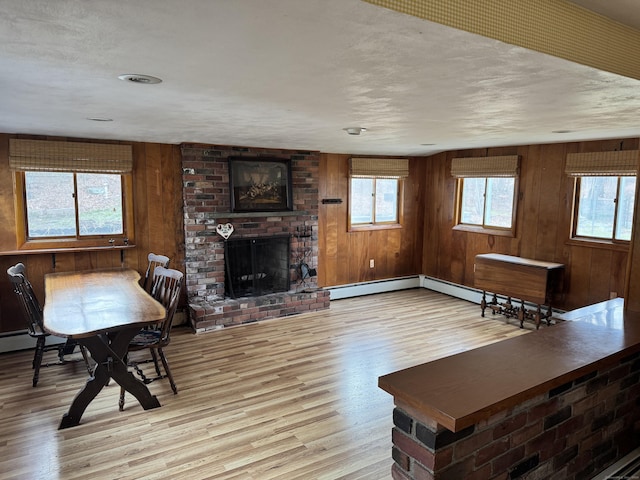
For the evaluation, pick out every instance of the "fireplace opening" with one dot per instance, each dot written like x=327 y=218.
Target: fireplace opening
x=256 y=266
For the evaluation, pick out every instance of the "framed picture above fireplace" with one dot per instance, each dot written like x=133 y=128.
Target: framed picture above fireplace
x=260 y=184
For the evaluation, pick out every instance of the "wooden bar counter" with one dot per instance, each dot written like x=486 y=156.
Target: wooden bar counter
x=508 y=392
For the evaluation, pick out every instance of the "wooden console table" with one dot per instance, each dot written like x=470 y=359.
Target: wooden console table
x=518 y=278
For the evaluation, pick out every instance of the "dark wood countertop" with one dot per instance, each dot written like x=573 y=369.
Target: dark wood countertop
x=463 y=389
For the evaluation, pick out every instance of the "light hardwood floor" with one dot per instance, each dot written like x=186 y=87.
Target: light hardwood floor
x=289 y=398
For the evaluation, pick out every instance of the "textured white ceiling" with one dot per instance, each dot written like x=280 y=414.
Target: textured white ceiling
x=294 y=74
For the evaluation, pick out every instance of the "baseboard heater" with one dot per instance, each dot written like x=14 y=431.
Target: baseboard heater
x=627 y=468
x=469 y=294
x=377 y=286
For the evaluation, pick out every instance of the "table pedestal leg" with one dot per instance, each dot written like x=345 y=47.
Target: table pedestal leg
x=108 y=351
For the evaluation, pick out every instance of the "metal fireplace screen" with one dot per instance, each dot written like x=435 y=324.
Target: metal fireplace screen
x=256 y=266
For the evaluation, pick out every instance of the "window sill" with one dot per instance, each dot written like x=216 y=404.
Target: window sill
x=485 y=231
x=36 y=251
x=601 y=244
x=367 y=228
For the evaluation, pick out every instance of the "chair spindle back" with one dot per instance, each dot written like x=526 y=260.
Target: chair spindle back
x=154 y=262
x=31 y=308
x=166 y=287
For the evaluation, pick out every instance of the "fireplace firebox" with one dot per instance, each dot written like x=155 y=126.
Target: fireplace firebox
x=256 y=266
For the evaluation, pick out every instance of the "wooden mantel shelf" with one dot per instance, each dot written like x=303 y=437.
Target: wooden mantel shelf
x=463 y=389
x=285 y=213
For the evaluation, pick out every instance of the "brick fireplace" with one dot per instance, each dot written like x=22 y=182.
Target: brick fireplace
x=207 y=204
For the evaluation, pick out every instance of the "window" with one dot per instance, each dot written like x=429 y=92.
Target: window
x=604 y=207
x=486 y=193
x=375 y=192
x=72 y=196
x=374 y=201
x=487 y=202
x=605 y=185
x=76 y=205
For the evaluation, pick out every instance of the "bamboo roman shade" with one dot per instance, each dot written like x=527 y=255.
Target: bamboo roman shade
x=380 y=167
x=617 y=163
x=44 y=155
x=502 y=166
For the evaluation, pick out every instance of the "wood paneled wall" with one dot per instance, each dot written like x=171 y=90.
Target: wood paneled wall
x=592 y=273
x=343 y=256
x=425 y=244
x=632 y=288
x=158 y=225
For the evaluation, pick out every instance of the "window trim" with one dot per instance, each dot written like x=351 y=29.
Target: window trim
x=24 y=243
x=358 y=227
x=483 y=229
x=597 y=242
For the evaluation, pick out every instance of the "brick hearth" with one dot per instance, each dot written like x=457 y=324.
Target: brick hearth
x=207 y=203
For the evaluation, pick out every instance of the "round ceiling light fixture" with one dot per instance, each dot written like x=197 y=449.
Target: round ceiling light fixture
x=138 y=78
x=354 y=130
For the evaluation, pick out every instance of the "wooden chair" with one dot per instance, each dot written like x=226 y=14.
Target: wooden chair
x=154 y=261
x=32 y=312
x=166 y=287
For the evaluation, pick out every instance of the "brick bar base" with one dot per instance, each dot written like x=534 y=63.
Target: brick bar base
x=570 y=433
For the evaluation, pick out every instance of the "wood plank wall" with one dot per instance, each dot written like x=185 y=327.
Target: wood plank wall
x=158 y=225
x=593 y=272
x=426 y=244
x=344 y=256
x=632 y=288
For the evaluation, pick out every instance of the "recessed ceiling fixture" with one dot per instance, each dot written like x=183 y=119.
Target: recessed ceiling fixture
x=427 y=144
x=100 y=119
x=138 y=78
x=561 y=131
x=354 y=130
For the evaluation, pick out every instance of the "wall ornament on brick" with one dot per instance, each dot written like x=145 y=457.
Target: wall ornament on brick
x=224 y=230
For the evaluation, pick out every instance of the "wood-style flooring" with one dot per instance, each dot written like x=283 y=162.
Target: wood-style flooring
x=288 y=398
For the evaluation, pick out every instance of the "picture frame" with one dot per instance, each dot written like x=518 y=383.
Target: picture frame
x=260 y=184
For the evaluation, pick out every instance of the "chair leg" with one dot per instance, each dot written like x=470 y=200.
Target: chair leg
x=155 y=362
x=121 y=401
x=165 y=364
x=122 y=390
x=85 y=355
x=37 y=359
x=67 y=348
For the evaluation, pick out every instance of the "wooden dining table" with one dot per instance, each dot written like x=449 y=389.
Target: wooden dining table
x=102 y=310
